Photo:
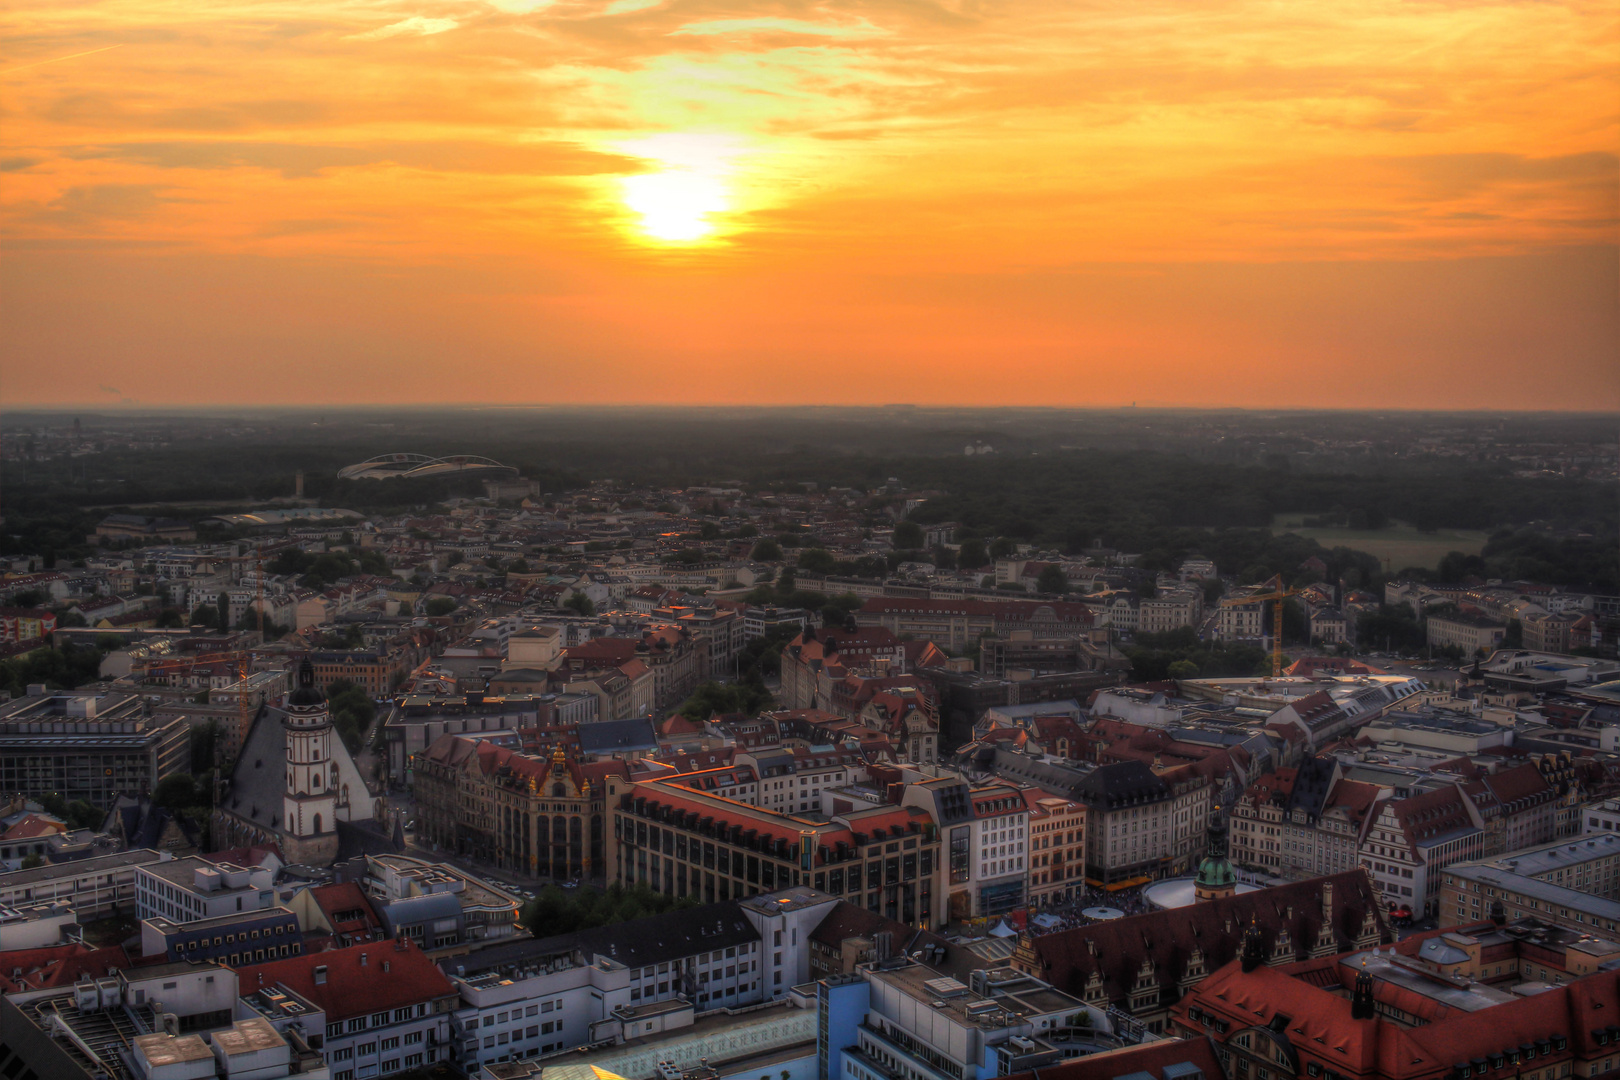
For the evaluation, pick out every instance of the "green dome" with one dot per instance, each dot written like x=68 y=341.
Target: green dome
x=1216 y=871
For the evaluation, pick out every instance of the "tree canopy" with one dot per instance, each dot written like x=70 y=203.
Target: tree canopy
x=563 y=911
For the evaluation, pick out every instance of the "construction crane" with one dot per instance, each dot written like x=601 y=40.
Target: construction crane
x=1275 y=597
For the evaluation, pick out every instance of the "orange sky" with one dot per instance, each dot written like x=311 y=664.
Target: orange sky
x=1400 y=203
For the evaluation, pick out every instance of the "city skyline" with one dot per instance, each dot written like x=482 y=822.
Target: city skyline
x=694 y=202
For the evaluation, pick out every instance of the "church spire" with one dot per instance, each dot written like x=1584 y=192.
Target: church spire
x=1216 y=878
x=1253 y=950
x=1361 y=1003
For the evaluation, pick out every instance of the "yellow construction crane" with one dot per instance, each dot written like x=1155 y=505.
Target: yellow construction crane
x=1276 y=598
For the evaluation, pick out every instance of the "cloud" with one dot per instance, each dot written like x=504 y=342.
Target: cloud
x=419 y=25
x=303 y=160
x=771 y=25
x=103 y=202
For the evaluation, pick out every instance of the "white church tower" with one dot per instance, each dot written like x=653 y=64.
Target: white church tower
x=309 y=805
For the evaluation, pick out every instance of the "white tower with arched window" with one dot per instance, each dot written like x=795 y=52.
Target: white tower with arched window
x=309 y=804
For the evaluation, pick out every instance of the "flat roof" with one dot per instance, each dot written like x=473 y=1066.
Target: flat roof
x=248 y=1036
x=164 y=1049
x=161 y=922
x=1014 y=995
x=96 y=864
x=798 y=898
x=1458 y=993
x=1555 y=856
x=182 y=872
x=1537 y=889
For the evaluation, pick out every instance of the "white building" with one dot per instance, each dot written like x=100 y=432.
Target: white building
x=185 y=890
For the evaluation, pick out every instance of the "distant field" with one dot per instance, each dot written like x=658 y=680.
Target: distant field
x=1401 y=544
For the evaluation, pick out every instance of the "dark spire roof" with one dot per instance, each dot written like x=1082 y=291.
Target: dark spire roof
x=306 y=692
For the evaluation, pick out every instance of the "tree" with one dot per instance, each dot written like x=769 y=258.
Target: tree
x=817 y=561
x=908 y=536
x=580 y=604
x=971 y=555
x=176 y=792
x=1051 y=580
x=712 y=697
x=439 y=606
x=223 y=606
x=1002 y=547
x=31 y=860
x=84 y=815
x=352 y=711
x=1183 y=669
x=766 y=550
x=71 y=618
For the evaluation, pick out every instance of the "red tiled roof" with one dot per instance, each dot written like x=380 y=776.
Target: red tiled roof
x=31 y=825
x=356 y=980
x=57 y=965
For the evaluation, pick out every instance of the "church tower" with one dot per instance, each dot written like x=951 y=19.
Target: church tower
x=1216 y=878
x=309 y=805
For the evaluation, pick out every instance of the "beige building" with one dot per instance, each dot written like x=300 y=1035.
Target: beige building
x=687 y=843
x=1057 y=848
x=1170 y=611
x=1540 y=882
x=1301 y=830
x=1552 y=633
x=1473 y=634
x=534 y=814
x=1241 y=620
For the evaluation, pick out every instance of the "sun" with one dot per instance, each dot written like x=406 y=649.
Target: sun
x=675 y=206
x=681 y=201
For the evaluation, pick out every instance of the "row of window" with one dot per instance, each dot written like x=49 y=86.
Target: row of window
x=375 y=1020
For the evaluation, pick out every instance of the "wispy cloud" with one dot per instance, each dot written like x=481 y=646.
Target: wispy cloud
x=416 y=25
x=771 y=25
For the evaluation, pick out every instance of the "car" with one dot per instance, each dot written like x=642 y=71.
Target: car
x=570 y=884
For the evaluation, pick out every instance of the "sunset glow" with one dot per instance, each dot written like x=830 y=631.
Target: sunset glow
x=678 y=203
x=1208 y=202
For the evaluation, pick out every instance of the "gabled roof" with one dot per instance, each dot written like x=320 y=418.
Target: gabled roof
x=1116 y=950
x=353 y=980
